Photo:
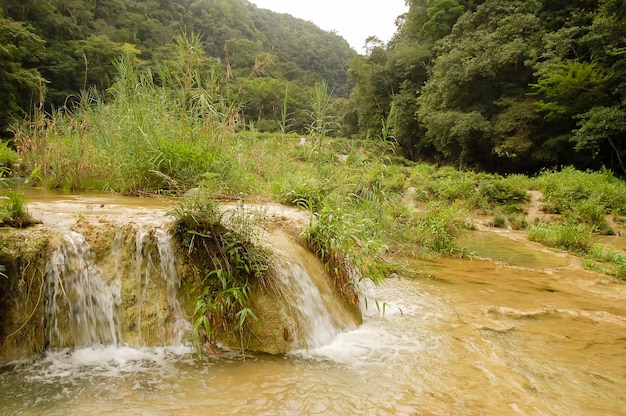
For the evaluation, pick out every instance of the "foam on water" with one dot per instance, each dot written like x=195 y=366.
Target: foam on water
x=104 y=361
x=378 y=340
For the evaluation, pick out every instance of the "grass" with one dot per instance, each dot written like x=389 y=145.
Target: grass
x=589 y=193
x=570 y=236
x=13 y=211
x=8 y=156
x=607 y=260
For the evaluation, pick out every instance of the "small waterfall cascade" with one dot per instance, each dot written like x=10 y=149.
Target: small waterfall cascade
x=129 y=297
x=92 y=301
x=305 y=285
x=124 y=291
x=180 y=325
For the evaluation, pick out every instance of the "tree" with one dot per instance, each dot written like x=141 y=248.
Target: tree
x=442 y=15
x=599 y=125
x=479 y=73
x=21 y=84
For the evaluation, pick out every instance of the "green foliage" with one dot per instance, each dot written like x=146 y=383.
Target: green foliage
x=437 y=228
x=502 y=192
x=146 y=139
x=13 y=212
x=442 y=14
x=476 y=191
x=570 y=190
x=499 y=221
x=221 y=246
x=348 y=246
x=570 y=87
x=499 y=85
x=321 y=120
x=309 y=195
x=569 y=236
x=605 y=259
x=8 y=156
x=602 y=124
x=65 y=46
x=21 y=84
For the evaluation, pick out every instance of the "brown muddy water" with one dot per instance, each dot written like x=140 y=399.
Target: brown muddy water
x=517 y=329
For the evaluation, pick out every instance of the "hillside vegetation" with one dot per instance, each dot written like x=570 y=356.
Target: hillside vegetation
x=51 y=50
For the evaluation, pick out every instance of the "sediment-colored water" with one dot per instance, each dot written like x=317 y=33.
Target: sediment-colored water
x=517 y=330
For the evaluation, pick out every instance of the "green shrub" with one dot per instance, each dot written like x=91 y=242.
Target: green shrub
x=500 y=192
x=607 y=260
x=437 y=229
x=499 y=221
x=518 y=222
x=565 y=191
x=348 y=247
x=308 y=195
x=566 y=236
x=8 y=156
x=13 y=212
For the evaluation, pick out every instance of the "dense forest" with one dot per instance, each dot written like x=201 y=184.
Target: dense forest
x=499 y=85
x=52 y=49
x=503 y=85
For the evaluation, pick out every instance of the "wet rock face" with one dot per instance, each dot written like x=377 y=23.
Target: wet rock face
x=23 y=253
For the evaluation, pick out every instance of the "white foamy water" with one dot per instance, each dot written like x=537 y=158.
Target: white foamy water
x=380 y=339
x=181 y=327
x=104 y=361
x=73 y=278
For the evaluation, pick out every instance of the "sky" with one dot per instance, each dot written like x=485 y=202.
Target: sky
x=354 y=20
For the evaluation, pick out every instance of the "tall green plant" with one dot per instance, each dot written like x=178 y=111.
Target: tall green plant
x=284 y=112
x=223 y=250
x=321 y=120
x=348 y=247
x=13 y=211
x=438 y=227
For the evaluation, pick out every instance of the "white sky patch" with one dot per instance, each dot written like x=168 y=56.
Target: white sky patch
x=354 y=20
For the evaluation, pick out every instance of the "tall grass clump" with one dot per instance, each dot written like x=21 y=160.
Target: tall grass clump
x=348 y=246
x=437 y=228
x=13 y=211
x=151 y=133
x=321 y=121
x=565 y=190
x=607 y=260
x=221 y=248
x=569 y=236
x=8 y=156
x=479 y=191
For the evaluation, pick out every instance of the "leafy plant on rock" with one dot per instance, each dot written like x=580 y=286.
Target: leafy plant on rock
x=229 y=262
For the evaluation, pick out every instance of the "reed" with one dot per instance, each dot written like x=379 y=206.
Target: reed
x=145 y=137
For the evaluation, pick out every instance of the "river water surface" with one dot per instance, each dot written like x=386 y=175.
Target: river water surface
x=516 y=330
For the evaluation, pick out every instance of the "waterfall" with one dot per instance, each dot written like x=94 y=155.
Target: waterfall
x=305 y=285
x=128 y=294
x=72 y=275
x=181 y=326
x=84 y=304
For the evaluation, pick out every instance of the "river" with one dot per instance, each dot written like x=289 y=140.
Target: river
x=518 y=329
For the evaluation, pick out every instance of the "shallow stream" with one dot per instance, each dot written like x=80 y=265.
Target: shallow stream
x=516 y=330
